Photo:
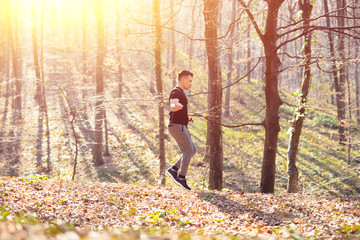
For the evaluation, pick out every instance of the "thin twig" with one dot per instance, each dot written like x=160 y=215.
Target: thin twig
x=224 y=125
x=73 y=114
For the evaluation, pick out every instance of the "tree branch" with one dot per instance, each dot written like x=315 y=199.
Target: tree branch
x=251 y=16
x=316 y=28
x=317 y=18
x=227 y=126
x=247 y=74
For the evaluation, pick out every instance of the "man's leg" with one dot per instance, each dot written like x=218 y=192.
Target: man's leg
x=182 y=137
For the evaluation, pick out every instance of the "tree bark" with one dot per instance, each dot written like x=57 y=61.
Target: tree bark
x=119 y=58
x=43 y=88
x=211 y=11
x=84 y=60
x=272 y=98
x=158 y=69
x=340 y=86
x=248 y=50
x=357 y=84
x=2 y=47
x=15 y=64
x=349 y=122
x=230 y=62
x=299 y=114
x=173 y=46
x=99 y=105
x=38 y=96
x=192 y=30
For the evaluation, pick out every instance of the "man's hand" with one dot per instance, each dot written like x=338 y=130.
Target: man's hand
x=191 y=120
x=177 y=107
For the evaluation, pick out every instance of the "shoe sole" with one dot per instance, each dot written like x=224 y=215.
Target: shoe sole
x=170 y=175
x=176 y=182
x=179 y=184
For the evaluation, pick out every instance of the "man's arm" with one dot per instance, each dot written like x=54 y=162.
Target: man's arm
x=175 y=105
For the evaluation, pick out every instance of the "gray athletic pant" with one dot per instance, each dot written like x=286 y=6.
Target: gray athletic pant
x=183 y=139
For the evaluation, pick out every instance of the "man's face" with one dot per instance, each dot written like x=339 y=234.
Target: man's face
x=186 y=82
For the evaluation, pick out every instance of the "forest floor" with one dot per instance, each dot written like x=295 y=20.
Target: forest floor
x=38 y=208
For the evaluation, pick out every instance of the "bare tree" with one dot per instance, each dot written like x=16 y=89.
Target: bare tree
x=230 y=54
x=173 y=46
x=15 y=63
x=340 y=85
x=299 y=114
x=84 y=60
x=118 y=52
x=39 y=92
x=272 y=98
x=211 y=11
x=159 y=86
x=99 y=105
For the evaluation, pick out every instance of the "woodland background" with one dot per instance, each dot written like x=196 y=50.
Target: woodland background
x=275 y=98
x=78 y=86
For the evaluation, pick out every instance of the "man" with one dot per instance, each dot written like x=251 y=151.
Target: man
x=179 y=120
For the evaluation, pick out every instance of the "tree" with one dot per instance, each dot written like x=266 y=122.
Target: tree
x=99 y=105
x=272 y=63
x=340 y=85
x=299 y=113
x=357 y=78
x=338 y=77
x=211 y=11
x=230 y=61
x=15 y=63
x=38 y=95
x=118 y=53
x=173 y=45
x=192 y=31
x=84 y=61
x=272 y=98
x=158 y=69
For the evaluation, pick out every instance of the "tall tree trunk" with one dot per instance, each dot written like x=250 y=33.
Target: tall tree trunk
x=99 y=105
x=211 y=11
x=299 y=114
x=15 y=64
x=357 y=84
x=38 y=96
x=119 y=58
x=192 y=31
x=273 y=101
x=107 y=150
x=159 y=86
x=340 y=86
x=5 y=56
x=2 y=47
x=173 y=45
x=84 y=61
x=230 y=61
x=7 y=88
x=45 y=108
x=248 y=52
x=349 y=122
x=272 y=97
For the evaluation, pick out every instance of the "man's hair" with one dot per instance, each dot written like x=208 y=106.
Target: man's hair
x=184 y=73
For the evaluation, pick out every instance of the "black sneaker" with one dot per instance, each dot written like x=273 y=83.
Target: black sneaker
x=182 y=183
x=172 y=173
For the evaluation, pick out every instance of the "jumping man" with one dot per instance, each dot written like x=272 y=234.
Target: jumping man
x=179 y=120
